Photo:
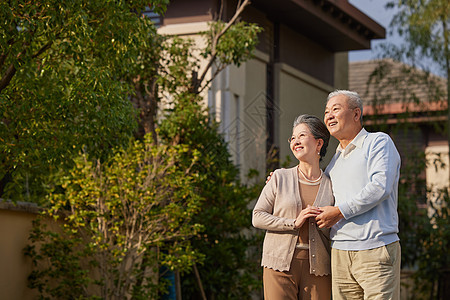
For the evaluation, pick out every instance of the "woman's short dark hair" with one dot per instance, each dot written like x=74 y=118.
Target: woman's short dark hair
x=317 y=128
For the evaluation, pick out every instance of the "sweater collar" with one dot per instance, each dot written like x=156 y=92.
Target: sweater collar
x=357 y=142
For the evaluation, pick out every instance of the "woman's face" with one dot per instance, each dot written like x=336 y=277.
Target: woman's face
x=303 y=144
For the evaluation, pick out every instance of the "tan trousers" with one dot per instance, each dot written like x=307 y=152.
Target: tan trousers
x=297 y=283
x=366 y=274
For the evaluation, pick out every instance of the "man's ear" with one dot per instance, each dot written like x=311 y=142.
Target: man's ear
x=357 y=112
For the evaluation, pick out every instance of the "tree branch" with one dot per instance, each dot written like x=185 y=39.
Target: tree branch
x=199 y=282
x=218 y=70
x=3 y=59
x=11 y=71
x=43 y=49
x=197 y=82
x=6 y=78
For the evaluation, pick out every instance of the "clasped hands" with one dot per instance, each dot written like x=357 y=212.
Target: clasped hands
x=325 y=216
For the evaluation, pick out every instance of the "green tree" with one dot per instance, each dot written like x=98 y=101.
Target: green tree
x=63 y=87
x=96 y=195
x=121 y=220
x=424 y=25
x=228 y=267
x=424 y=29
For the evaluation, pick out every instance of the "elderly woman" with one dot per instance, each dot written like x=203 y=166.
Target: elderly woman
x=296 y=253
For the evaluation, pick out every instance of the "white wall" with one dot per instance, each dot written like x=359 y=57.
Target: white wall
x=437 y=172
x=237 y=98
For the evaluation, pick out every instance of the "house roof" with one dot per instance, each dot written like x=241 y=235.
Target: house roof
x=336 y=24
x=391 y=82
x=388 y=87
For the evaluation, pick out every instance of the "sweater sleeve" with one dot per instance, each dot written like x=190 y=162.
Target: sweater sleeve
x=383 y=167
x=263 y=217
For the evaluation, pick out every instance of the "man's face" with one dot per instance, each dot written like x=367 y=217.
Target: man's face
x=339 y=118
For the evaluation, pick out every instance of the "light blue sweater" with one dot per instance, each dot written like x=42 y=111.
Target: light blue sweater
x=365 y=177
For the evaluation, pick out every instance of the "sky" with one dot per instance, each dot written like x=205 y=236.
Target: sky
x=376 y=10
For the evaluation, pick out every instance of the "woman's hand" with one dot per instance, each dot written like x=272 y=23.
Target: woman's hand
x=268 y=177
x=308 y=212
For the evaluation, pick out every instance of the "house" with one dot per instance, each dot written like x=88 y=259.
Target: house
x=395 y=93
x=300 y=58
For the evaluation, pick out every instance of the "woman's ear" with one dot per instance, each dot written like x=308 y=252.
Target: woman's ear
x=319 y=145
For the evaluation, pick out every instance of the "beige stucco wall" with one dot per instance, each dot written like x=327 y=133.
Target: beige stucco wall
x=298 y=94
x=341 y=70
x=190 y=31
x=237 y=97
x=254 y=117
x=437 y=175
x=15 y=224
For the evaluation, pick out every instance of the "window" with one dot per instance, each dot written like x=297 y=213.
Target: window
x=154 y=17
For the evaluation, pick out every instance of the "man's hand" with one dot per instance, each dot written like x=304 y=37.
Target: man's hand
x=306 y=213
x=330 y=215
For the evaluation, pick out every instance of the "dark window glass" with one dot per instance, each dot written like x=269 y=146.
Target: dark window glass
x=157 y=19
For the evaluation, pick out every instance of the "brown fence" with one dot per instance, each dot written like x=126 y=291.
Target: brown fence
x=15 y=225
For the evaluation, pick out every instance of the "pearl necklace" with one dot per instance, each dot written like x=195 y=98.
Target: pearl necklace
x=309 y=180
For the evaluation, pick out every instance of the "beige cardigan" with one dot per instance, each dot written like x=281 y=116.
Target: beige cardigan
x=276 y=210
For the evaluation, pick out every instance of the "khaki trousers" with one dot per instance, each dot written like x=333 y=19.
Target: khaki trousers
x=297 y=283
x=366 y=274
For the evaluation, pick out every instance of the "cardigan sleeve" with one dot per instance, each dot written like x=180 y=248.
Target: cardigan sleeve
x=263 y=217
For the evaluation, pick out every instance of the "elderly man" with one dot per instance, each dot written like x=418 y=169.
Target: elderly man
x=364 y=172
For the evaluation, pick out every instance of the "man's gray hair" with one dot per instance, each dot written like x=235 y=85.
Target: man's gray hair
x=353 y=100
